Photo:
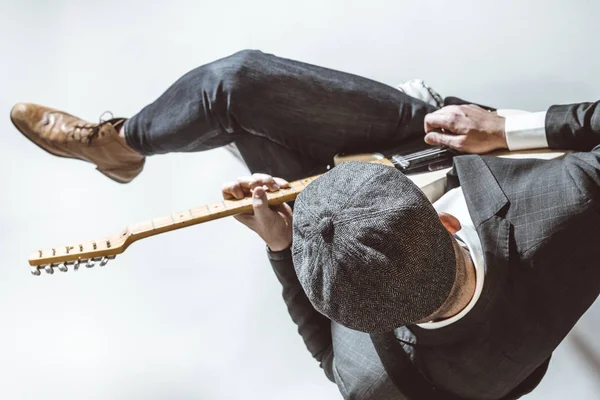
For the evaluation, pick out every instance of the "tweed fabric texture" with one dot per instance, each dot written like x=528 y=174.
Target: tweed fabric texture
x=369 y=249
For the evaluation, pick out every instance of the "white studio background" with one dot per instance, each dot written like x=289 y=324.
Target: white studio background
x=197 y=314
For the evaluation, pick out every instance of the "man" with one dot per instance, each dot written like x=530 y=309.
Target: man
x=469 y=304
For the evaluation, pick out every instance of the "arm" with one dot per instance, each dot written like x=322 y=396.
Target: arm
x=471 y=129
x=274 y=226
x=573 y=126
x=314 y=327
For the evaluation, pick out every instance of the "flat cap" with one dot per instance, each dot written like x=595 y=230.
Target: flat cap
x=369 y=249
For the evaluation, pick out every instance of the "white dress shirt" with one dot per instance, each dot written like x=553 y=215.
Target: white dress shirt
x=525 y=130
x=454 y=203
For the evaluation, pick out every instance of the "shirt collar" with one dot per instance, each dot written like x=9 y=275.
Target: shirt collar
x=468 y=235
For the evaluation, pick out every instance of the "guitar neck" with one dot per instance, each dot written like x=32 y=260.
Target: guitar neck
x=101 y=250
x=210 y=212
x=222 y=209
x=104 y=249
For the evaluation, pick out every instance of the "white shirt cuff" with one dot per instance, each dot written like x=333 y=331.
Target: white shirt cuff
x=526 y=131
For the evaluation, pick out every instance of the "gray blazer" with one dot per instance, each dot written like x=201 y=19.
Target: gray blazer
x=539 y=223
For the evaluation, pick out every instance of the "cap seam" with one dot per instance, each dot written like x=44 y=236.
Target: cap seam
x=342 y=222
x=349 y=199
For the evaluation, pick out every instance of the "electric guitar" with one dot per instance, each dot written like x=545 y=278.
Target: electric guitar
x=427 y=168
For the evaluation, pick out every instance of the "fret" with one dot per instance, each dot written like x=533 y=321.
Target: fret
x=276 y=195
x=297 y=186
x=232 y=205
x=217 y=208
x=161 y=222
x=199 y=212
x=180 y=217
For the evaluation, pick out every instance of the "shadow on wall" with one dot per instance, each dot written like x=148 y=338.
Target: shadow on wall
x=587 y=351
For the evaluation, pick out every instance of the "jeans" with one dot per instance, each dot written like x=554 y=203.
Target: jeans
x=286 y=117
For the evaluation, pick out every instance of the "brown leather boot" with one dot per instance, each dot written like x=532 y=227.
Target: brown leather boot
x=64 y=135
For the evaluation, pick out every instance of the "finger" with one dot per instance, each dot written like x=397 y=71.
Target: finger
x=248 y=183
x=260 y=203
x=265 y=180
x=445 y=139
x=285 y=211
x=282 y=182
x=248 y=220
x=440 y=120
x=245 y=218
x=232 y=190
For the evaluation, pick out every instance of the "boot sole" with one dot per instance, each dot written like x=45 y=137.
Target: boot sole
x=108 y=174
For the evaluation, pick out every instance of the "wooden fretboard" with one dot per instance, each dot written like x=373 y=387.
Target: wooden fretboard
x=213 y=211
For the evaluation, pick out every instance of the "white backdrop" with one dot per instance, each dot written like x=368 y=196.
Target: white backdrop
x=197 y=314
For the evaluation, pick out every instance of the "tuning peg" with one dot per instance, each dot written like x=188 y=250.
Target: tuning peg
x=35 y=271
x=76 y=265
x=49 y=270
x=103 y=262
x=89 y=264
x=63 y=267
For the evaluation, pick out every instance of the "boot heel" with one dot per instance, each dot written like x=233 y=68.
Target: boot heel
x=122 y=175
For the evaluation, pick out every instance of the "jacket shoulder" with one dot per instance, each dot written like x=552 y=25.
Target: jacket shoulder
x=357 y=369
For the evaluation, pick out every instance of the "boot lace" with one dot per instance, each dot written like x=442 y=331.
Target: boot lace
x=86 y=133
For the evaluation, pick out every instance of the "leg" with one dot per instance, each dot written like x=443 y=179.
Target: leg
x=314 y=111
x=265 y=156
x=305 y=114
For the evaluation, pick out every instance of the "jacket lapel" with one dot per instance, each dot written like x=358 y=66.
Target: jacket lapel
x=483 y=194
x=485 y=200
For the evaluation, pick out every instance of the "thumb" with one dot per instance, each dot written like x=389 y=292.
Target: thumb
x=260 y=203
x=445 y=139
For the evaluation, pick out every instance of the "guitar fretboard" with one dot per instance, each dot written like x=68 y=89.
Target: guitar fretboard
x=107 y=248
x=213 y=211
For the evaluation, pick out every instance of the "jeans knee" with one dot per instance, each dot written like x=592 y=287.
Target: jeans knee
x=232 y=70
x=246 y=57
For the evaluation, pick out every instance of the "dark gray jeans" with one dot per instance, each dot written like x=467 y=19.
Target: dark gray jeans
x=287 y=118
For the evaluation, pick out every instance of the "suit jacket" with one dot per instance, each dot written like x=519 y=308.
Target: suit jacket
x=539 y=224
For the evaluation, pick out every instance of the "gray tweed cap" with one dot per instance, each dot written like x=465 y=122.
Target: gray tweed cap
x=369 y=249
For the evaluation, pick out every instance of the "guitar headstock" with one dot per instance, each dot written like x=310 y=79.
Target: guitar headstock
x=75 y=255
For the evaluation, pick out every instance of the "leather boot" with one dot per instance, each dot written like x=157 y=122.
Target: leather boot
x=64 y=135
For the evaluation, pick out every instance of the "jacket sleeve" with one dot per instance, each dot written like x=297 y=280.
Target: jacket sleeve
x=573 y=126
x=314 y=327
